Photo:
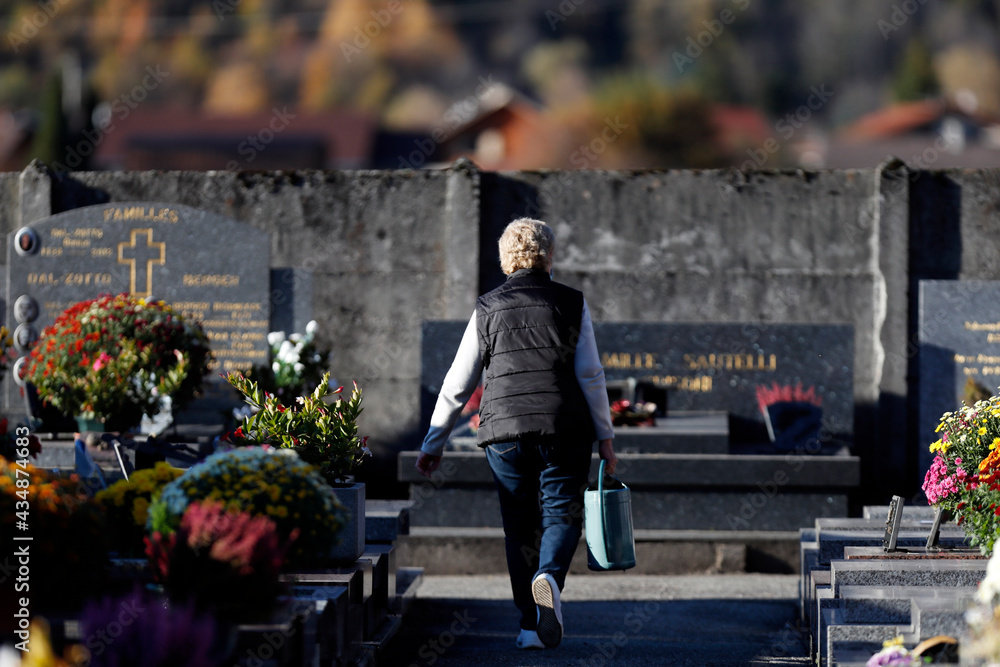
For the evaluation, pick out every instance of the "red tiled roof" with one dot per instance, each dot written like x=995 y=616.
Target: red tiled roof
x=896 y=119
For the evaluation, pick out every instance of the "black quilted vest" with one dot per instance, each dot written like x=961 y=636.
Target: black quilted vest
x=528 y=330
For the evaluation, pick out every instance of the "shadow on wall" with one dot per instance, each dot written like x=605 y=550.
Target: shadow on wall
x=935 y=253
x=501 y=200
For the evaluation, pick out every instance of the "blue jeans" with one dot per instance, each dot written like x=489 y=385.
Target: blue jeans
x=541 y=485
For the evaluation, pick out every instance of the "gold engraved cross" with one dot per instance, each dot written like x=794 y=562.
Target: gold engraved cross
x=149 y=252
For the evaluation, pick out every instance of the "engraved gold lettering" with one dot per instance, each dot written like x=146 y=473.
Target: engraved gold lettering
x=211 y=279
x=629 y=360
x=982 y=326
x=41 y=279
x=739 y=362
x=142 y=213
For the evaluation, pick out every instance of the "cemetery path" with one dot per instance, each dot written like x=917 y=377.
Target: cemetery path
x=611 y=619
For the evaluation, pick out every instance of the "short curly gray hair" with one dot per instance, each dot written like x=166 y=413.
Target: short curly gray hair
x=526 y=244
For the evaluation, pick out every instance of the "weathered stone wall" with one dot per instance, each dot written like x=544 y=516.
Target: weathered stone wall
x=389 y=249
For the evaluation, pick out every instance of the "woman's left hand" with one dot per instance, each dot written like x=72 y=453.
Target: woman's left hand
x=427 y=463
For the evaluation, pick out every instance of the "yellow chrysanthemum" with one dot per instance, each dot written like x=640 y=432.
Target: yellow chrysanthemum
x=140 y=511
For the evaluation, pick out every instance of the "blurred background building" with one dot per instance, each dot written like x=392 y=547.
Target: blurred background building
x=763 y=84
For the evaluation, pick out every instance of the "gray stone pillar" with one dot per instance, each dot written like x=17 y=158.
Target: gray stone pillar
x=35 y=193
x=461 y=232
x=895 y=344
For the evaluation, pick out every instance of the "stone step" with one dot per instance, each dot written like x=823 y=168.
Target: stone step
x=762 y=472
x=928 y=616
x=691 y=432
x=481 y=551
x=669 y=491
x=906 y=573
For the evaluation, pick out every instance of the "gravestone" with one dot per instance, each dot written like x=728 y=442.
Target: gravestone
x=702 y=367
x=959 y=337
x=210 y=268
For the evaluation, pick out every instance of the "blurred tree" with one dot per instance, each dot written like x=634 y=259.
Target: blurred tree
x=49 y=144
x=971 y=68
x=914 y=78
x=15 y=86
x=659 y=127
x=557 y=71
x=237 y=89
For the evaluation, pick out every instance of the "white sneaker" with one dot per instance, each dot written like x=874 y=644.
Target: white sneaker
x=529 y=639
x=550 y=623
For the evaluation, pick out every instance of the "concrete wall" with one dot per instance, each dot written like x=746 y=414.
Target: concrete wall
x=390 y=249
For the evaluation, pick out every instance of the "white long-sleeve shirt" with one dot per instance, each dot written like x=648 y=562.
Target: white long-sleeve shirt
x=463 y=378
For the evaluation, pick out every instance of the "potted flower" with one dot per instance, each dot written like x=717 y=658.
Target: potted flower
x=259 y=481
x=115 y=358
x=126 y=506
x=964 y=477
x=224 y=561
x=321 y=433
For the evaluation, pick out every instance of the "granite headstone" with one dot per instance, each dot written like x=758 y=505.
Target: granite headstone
x=714 y=367
x=213 y=269
x=959 y=337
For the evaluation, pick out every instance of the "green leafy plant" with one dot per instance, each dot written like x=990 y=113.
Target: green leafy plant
x=323 y=434
x=117 y=357
x=275 y=484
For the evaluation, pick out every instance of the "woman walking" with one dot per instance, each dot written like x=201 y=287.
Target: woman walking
x=544 y=404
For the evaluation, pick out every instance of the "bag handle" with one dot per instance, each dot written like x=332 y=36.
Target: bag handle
x=600 y=477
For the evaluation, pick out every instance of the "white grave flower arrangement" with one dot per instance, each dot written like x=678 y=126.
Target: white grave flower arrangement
x=297 y=364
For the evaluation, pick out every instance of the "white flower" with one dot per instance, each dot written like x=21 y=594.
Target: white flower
x=298 y=367
x=276 y=366
x=275 y=338
x=312 y=327
x=287 y=349
x=295 y=338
